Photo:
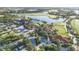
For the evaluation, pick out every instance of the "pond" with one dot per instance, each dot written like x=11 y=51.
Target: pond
x=46 y=18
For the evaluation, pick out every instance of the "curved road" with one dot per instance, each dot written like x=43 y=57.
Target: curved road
x=71 y=33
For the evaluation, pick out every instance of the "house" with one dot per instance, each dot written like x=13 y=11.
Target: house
x=20 y=28
x=19 y=21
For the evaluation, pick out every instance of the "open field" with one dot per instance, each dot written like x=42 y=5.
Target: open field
x=36 y=14
x=59 y=26
x=75 y=25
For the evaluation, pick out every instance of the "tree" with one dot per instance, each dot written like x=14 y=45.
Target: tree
x=44 y=22
x=37 y=39
x=28 y=44
x=71 y=48
x=66 y=45
x=42 y=48
x=51 y=47
x=8 y=47
x=41 y=32
x=32 y=34
x=28 y=19
x=30 y=47
x=26 y=41
x=55 y=31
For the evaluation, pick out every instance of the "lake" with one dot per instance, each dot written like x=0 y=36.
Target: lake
x=40 y=18
x=46 y=18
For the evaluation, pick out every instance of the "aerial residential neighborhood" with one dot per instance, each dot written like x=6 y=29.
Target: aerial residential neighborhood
x=39 y=29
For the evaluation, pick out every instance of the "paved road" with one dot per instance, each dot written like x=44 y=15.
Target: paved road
x=71 y=33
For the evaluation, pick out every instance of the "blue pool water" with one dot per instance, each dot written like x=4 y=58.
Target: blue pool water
x=43 y=40
x=33 y=41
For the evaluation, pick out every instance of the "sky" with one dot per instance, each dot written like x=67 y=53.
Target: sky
x=39 y=3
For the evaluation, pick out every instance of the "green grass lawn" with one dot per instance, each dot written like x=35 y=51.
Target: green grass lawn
x=75 y=25
x=31 y=14
x=59 y=26
x=36 y=14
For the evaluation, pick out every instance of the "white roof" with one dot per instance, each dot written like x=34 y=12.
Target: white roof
x=20 y=28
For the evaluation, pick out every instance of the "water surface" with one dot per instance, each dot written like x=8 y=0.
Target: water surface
x=46 y=18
